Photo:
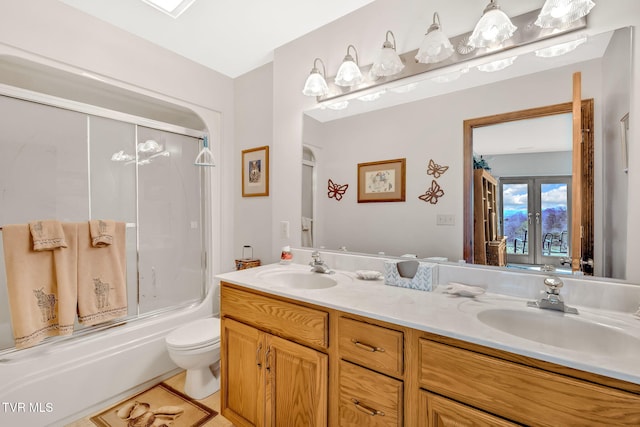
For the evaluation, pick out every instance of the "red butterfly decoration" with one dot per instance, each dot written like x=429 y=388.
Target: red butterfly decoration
x=432 y=194
x=336 y=191
x=435 y=169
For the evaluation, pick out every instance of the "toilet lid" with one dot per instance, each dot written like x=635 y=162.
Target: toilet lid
x=195 y=334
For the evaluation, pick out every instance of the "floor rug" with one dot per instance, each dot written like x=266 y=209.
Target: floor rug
x=156 y=406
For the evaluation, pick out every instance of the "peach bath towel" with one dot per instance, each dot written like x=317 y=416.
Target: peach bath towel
x=41 y=285
x=102 y=280
x=101 y=232
x=47 y=235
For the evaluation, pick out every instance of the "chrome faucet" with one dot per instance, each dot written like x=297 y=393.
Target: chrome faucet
x=553 y=300
x=318 y=265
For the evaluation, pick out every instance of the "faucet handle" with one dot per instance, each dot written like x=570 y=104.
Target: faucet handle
x=553 y=285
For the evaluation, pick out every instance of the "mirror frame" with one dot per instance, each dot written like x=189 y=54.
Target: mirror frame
x=587 y=155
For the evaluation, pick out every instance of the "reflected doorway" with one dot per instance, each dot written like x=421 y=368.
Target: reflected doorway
x=535 y=215
x=308 y=196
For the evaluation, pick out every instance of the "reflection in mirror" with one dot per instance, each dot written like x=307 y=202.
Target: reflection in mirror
x=428 y=127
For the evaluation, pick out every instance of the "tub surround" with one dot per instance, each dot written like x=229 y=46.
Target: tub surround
x=436 y=312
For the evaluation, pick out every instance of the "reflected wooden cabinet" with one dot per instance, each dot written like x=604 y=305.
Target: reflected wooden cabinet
x=485 y=219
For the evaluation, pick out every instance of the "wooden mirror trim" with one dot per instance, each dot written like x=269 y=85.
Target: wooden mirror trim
x=587 y=167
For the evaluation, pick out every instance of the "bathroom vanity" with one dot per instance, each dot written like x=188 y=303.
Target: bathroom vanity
x=359 y=353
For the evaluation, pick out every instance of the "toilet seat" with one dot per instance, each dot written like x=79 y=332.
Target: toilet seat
x=195 y=335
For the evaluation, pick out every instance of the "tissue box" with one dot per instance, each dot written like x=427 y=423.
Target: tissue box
x=426 y=275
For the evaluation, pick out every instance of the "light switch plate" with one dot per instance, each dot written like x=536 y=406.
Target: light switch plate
x=445 y=220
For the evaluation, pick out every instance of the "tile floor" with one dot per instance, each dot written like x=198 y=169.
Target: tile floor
x=176 y=382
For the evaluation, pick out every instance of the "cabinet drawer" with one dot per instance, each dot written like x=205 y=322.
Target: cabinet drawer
x=368 y=398
x=523 y=394
x=298 y=323
x=370 y=345
x=437 y=411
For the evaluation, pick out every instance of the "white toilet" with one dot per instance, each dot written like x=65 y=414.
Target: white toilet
x=196 y=347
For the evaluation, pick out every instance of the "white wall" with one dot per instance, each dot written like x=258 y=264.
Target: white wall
x=615 y=194
x=365 y=29
x=253 y=128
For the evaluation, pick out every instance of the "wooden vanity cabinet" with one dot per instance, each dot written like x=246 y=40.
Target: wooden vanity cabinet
x=517 y=392
x=289 y=363
x=268 y=380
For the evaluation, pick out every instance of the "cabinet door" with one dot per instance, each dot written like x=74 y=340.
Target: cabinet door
x=243 y=373
x=437 y=411
x=296 y=389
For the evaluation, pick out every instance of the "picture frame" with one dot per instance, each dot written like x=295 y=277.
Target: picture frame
x=255 y=172
x=382 y=181
x=624 y=143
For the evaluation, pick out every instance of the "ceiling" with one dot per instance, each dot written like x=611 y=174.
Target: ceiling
x=229 y=36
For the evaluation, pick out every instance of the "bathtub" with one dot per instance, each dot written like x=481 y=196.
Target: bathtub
x=56 y=383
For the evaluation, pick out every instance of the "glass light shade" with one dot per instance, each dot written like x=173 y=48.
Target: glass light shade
x=492 y=29
x=341 y=105
x=450 y=77
x=349 y=74
x=559 y=13
x=435 y=47
x=315 y=85
x=387 y=63
x=371 y=96
x=559 y=49
x=498 y=65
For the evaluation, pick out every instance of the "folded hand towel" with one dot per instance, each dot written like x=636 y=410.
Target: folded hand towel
x=47 y=235
x=102 y=282
x=101 y=232
x=41 y=286
x=463 y=290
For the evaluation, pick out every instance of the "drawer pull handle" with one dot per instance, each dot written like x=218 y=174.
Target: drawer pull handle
x=366 y=409
x=366 y=346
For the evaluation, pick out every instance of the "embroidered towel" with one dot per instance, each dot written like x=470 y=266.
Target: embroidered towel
x=424 y=278
x=102 y=282
x=41 y=286
x=101 y=232
x=47 y=235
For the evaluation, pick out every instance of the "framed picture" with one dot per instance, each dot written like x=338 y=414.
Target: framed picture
x=382 y=181
x=255 y=172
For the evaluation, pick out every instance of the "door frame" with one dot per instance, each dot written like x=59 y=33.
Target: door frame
x=587 y=156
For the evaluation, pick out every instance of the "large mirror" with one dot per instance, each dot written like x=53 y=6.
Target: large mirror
x=424 y=123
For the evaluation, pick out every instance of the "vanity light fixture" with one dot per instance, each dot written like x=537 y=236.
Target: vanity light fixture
x=316 y=85
x=560 y=13
x=560 y=49
x=498 y=65
x=349 y=73
x=492 y=29
x=387 y=62
x=436 y=46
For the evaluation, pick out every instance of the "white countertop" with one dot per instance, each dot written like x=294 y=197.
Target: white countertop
x=456 y=317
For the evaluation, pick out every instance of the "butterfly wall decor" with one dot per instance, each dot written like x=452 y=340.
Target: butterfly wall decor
x=435 y=169
x=336 y=191
x=433 y=193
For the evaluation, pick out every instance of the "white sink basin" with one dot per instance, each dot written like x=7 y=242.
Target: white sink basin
x=299 y=279
x=561 y=330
